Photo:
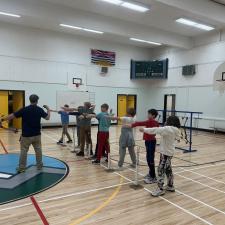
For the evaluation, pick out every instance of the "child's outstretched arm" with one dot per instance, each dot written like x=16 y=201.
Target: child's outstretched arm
x=69 y=109
x=155 y=130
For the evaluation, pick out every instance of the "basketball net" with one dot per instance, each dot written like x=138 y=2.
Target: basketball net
x=218 y=83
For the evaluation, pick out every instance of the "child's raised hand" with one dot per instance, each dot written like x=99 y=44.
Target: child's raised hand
x=141 y=130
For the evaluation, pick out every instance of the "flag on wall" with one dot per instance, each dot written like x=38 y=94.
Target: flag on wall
x=103 y=58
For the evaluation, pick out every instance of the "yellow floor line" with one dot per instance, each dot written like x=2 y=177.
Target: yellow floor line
x=103 y=205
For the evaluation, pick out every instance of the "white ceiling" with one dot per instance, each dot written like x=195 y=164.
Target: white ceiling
x=119 y=23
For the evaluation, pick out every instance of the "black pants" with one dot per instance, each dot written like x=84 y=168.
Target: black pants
x=150 y=156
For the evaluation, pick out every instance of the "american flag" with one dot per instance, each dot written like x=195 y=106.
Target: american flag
x=104 y=58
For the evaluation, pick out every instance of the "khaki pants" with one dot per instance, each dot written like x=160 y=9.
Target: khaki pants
x=85 y=136
x=65 y=132
x=25 y=143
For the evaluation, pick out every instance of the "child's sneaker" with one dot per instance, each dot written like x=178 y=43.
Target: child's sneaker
x=147 y=176
x=80 y=153
x=96 y=162
x=69 y=141
x=133 y=165
x=19 y=170
x=171 y=189
x=119 y=168
x=59 y=142
x=158 y=192
x=150 y=180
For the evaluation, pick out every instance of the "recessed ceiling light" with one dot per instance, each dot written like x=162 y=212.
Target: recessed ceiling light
x=144 y=41
x=93 y=31
x=81 y=28
x=194 y=24
x=70 y=26
x=128 y=5
x=115 y=2
x=9 y=14
x=135 y=7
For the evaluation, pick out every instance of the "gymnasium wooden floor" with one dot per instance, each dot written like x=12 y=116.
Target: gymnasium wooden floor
x=90 y=195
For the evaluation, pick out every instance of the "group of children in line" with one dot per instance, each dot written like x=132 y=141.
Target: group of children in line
x=169 y=134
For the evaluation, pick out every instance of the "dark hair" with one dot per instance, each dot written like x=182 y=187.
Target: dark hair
x=34 y=99
x=87 y=104
x=131 y=111
x=67 y=106
x=173 y=121
x=105 y=106
x=153 y=112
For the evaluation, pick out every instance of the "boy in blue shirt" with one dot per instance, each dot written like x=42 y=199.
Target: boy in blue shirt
x=65 y=123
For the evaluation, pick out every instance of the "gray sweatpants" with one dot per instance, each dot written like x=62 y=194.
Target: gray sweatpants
x=126 y=141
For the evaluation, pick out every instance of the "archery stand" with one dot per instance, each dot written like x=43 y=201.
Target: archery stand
x=190 y=127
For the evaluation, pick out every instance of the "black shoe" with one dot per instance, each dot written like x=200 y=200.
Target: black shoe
x=96 y=161
x=106 y=160
x=93 y=157
x=80 y=154
x=70 y=141
x=59 y=142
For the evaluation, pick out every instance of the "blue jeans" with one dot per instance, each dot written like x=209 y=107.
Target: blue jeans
x=150 y=156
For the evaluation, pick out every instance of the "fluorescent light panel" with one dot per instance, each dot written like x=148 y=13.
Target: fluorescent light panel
x=127 y=5
x=135 y=7
x=10 y=14
x=144 y=41
x=81 y=28
x=115 y=2
x=194 y=24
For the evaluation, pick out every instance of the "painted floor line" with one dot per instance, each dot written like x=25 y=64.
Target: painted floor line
x=195 y=199
x=66 y=196
x=177 y=206
x=39 y=211
x=99 y=208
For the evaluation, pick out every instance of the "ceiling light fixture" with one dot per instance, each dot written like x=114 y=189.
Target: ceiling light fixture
x=194 y=24
x=10 y=14
x=144 y=41
x=81 y=28
x=115 y=2
x=135 y=7
x=128 y=5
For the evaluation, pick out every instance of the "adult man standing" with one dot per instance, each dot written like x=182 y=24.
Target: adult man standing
x=31 y=131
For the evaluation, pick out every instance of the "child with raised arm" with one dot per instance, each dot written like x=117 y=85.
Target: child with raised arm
x=103 y=134
x=169 y=135
x=126 y=137
x=150 y=144
x=65 y=123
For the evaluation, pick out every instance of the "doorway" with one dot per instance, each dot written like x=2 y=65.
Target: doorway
x=169 y=105
x=124 y=102
x=11 y=101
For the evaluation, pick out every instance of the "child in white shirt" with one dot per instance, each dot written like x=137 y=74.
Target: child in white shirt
x=169 y=134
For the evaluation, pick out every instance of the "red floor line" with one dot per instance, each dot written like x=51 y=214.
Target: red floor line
x=3 y=146
x=39 y=211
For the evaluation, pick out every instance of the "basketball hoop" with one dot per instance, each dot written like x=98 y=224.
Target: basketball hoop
x=77 y=82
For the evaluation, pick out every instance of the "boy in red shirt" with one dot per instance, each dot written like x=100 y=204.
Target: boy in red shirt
x=150 y=143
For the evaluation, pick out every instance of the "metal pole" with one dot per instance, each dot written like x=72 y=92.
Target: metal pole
x=137 y=168
x=191 y=121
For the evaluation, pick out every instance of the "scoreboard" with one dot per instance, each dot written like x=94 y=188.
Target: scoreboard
x=157 y=69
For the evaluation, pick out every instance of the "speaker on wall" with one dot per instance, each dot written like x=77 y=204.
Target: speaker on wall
x=189 y=70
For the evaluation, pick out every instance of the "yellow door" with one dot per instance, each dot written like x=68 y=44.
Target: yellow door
x=122 y=105
x=131 y=101
x=4 y=105
x=18 y=103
